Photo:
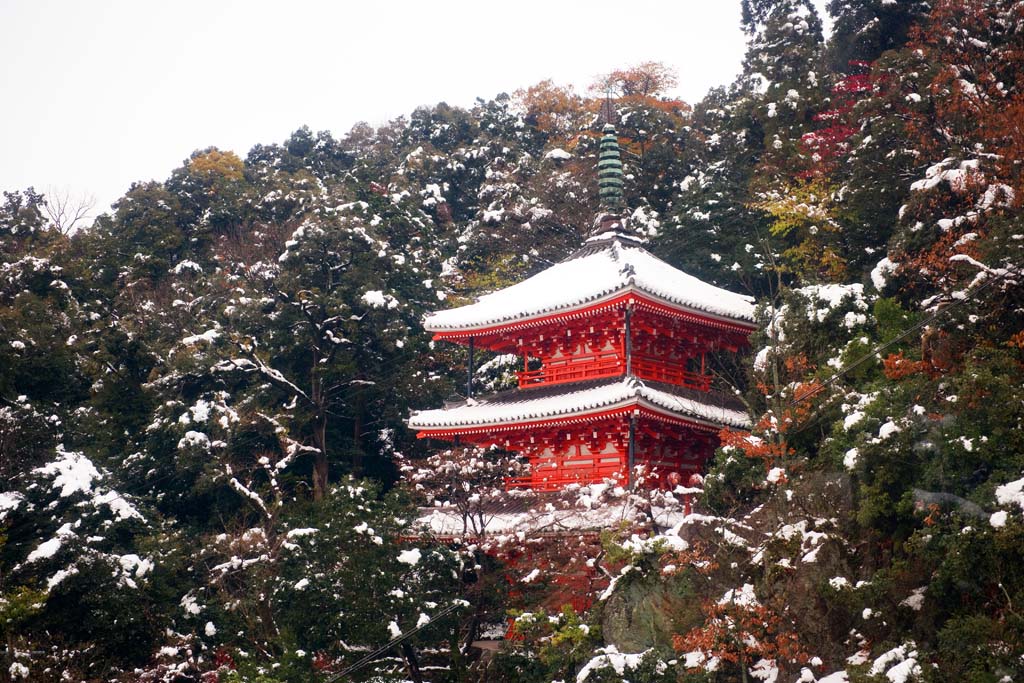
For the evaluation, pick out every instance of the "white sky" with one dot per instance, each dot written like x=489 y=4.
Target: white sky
x=98 y=94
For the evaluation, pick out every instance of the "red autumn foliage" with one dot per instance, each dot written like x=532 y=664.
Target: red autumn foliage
x=829 y=144
x=742 y=633
x=896 y=366
x=978 y=92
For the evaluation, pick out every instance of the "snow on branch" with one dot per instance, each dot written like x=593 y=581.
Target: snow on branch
x=254 y=364
x=250 y=494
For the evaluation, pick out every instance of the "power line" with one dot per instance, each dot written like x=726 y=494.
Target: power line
x=397 y=640
x=903 y=335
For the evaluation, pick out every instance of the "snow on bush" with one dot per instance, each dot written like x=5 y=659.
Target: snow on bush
x=72 y=472
x=880 y=273
x=610 y=657
x=375 y=298
x=9 y=502
x=194 y=439
x=410 y=557
x=1011 y=493
x=898 y=664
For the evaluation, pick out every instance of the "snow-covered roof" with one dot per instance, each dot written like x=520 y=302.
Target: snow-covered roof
x=602 y=269
x=581 y=399
x=526 y=516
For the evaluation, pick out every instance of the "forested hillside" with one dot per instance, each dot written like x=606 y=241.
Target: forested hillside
x=205 y=473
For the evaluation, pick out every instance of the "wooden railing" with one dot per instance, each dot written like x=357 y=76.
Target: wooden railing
x=662 y=371
x=591 y=366
x=596 y=366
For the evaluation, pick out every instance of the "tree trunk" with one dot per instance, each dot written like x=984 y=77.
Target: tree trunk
x=357 y=436
x=412 y=662
x=320 y=468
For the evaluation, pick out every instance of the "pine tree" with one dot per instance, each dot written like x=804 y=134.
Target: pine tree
x=862 y=30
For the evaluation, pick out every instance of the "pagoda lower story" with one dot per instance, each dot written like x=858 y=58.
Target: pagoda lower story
x=595 y=431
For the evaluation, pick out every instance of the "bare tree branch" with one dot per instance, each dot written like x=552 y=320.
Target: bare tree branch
x=67 y=210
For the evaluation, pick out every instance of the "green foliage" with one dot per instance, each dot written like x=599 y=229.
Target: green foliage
x=733 y=481
x=864 y=29
x=17 y=606
x=652 y=668
x=549 y=646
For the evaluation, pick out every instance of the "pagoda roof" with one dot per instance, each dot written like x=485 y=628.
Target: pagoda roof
x=606 y=267
x=580 y=401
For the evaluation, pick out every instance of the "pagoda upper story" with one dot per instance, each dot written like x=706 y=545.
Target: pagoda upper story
x=611 y=308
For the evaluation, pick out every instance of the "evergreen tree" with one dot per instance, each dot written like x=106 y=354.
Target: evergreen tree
x=864 y=29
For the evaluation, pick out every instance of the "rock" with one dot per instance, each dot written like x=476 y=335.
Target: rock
x=646 y=612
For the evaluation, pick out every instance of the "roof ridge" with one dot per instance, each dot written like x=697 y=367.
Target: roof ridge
x=683 y=401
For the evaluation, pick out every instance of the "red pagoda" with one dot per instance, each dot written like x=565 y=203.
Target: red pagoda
x=622 y=339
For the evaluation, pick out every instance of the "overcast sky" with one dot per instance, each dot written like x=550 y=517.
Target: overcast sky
x=96 y=95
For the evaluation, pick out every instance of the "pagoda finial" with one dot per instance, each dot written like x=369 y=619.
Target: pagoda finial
x=609 y=171
x=607 y=113
x=609 y=219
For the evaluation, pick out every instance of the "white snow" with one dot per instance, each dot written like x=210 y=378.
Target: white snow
x=60 y=576
x=852 y=419
x=189 y=604
x=208 y=336
x=915 y=600
x=200 y=411
x=850 y=458
x=187 y=265
x=998 y=519
x=74 y=473
x=410 y=557
x=616 y=394
x=558 y=154
x=49 y=548
x=837 y=677
x=133 y=566
x=743 y=597
x=9 y=501
x=592 y=278
x=194 y=439
x=1011 y=493
x=121 y=508
x=378 y=299
x=825 y=298
x=898 y=664
x=761 y=359
x=295 y=533
x=996 y=195
x=446 y=521
x=610 y=657
x=956 y=177
x=765 y=670
x=904 y=670
x=888 y=429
